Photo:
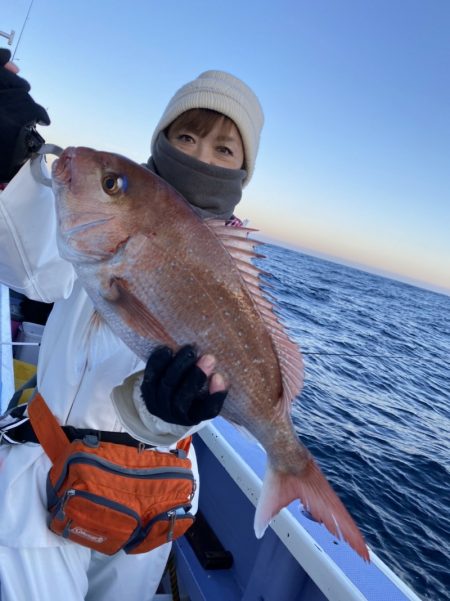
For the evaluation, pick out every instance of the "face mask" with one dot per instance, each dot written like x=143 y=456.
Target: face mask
x=212 y=191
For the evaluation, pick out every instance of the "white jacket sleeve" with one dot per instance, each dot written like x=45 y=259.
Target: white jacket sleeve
x=142 y=425
x=29 y=258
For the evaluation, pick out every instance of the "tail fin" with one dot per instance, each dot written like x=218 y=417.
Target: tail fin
x=318 y=498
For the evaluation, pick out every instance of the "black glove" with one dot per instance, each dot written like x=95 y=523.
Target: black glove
x=174 y=388
x=19 y=115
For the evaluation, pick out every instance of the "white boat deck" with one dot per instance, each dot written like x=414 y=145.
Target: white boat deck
x=334 y=567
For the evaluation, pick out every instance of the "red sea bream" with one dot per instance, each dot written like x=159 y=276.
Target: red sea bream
x=158 y=274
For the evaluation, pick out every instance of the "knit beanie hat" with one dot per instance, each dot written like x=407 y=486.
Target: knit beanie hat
x=226 y=94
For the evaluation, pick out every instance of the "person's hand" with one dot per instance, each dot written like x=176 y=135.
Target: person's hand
x=11 y=67
x=181 y=389
x=19 y=114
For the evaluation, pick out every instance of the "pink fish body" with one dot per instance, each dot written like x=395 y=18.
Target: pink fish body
x=158 y=274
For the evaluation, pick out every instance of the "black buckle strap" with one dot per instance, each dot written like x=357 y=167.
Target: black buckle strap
x=73 y=433
x=24 y=433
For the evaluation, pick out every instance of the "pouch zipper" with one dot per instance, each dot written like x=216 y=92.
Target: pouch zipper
x=171 y=516
x=59 y=514
x=71 y=492
x=144 y=473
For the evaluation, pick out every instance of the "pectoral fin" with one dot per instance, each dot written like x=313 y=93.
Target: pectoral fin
x=135 y=314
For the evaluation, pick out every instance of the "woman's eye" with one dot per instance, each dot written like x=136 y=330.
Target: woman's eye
x=225 y=150
x=185 y=138
x=113 y=184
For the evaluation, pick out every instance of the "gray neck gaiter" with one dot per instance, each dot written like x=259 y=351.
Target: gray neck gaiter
x=212 y=191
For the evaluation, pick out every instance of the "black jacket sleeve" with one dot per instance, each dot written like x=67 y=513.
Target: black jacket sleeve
x=19 y=115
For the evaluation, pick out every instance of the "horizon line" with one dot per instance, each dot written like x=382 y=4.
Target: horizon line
x=357 y=265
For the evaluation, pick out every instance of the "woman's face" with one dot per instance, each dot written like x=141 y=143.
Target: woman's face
x=221 y=147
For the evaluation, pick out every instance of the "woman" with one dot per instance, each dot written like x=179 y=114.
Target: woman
x=205 y=146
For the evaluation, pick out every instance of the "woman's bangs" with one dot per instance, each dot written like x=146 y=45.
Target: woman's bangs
x=200 y=121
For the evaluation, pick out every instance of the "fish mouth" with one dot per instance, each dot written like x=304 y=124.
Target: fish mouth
x=62 y=167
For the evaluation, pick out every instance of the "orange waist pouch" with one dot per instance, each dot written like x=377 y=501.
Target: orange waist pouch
x=109 y=496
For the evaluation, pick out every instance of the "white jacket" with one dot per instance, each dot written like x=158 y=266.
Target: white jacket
x=80 y=361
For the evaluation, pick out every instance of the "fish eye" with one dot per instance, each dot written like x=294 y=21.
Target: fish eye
x=113 y=184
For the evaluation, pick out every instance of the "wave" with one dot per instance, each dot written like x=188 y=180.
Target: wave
x=375 y=407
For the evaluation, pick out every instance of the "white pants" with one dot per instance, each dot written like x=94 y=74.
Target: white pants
x=74 y=573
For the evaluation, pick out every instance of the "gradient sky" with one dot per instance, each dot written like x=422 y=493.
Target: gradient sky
x=355 y=154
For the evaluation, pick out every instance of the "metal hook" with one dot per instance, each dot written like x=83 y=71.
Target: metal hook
x=35 y=164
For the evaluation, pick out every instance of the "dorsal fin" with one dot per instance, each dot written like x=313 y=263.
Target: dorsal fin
x=241 y=247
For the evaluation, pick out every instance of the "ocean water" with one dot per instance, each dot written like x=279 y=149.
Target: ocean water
x=375 y=408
